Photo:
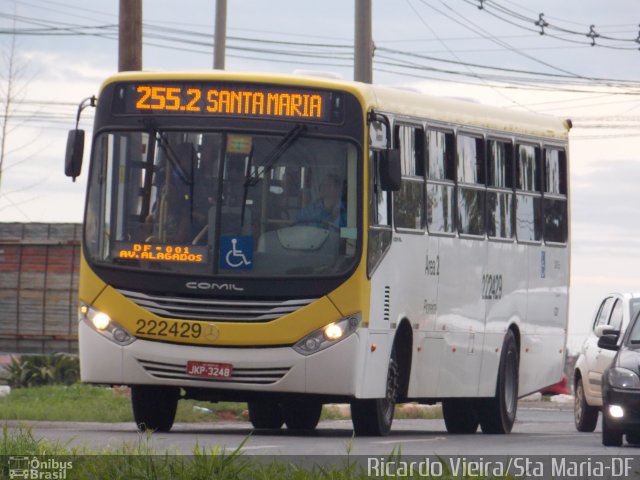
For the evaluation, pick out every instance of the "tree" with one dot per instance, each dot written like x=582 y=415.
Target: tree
x=14 y=82
x=8 y=75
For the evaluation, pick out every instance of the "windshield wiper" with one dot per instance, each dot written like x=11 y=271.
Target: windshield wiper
x=252 y=178
x=172 y=157
x=171 y=154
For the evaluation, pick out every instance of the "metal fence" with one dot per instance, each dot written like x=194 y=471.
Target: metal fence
x=39 y=264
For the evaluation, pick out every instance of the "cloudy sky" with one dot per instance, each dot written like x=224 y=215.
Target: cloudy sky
x=495 y=54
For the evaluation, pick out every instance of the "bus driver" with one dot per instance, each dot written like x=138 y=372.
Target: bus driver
x=328 y=208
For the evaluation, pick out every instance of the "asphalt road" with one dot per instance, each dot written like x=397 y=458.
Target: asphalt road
x=542 y=428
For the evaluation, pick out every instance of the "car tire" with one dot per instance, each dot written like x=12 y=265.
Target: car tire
x=460 y=415
x=154 y=407
x=585 y=416
x=265 y=415
x=633 y=438
x=611 y=437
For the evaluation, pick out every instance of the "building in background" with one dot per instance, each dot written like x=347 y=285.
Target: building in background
x=39 y=265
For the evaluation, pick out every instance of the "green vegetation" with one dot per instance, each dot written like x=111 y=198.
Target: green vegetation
x=65 y=403
x=37 y=370
x=141 y=462
x=87 y=403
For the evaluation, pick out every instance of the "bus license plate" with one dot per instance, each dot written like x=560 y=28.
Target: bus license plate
x=209 y=370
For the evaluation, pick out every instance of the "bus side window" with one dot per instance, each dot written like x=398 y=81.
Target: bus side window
x=379 y=213
x=408 y=202
x=440 y=181
x=555 y=196
x=528 y=194
x=471 y=185
x=500 y=189
x=380 y=232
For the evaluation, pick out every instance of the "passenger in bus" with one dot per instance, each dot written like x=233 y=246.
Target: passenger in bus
x=285 y=196
x=172 y=214
x=328 y=209
x=205 y=190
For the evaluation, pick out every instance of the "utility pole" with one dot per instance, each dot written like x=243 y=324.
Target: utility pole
x=220 y=39
x=363 y=44
x=130 y=35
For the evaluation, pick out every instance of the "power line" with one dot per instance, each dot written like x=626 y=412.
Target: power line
x=590 y=35
x=388 y=60
x=535 y=12
x=318 y=51
x=489 y=36
x=504 y=82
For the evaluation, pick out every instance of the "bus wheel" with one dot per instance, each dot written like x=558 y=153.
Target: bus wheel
x=374 y=416
x=460 y=415
x=154 y=407
x=301 y=414
x=265 y=415
x=497 y=414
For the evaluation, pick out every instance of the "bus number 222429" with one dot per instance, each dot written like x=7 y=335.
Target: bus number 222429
x=491 y=286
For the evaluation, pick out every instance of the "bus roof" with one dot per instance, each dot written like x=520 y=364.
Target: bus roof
x=399 y=101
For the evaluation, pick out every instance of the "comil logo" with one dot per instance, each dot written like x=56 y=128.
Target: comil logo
x=34 y=468
x=214 y=286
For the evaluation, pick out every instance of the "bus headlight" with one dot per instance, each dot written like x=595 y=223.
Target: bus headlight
x=333 y=331
x=328 y=335
x=105 y=326
x=101 y=321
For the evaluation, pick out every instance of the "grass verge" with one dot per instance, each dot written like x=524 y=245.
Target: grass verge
x=87 y=403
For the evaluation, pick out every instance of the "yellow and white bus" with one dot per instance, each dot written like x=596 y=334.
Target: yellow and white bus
x=291 y=241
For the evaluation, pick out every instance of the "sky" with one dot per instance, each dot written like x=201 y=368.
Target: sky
x=534 y=56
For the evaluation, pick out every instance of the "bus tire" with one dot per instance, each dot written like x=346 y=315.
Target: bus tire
x=497 y=414
x=266 y=415
x=372 y=417
x=585 y=416
x=460 y=415
x=301 y=414
x=154 y=407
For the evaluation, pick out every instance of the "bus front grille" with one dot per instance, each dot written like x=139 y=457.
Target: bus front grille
x=177 y=371
x=217 y=310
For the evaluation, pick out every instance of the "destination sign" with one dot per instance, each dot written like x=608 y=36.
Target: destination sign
x=228 y=100
x=161 y=253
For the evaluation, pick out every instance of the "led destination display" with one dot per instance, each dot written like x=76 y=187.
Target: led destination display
x=162 y=253
x=228 y=100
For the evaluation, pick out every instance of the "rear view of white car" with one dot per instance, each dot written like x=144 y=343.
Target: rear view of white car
x=612 y=317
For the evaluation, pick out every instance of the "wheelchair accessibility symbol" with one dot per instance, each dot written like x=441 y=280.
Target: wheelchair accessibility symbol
x=236 y=252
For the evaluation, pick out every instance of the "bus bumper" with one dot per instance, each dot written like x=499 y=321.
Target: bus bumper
x=332 y=371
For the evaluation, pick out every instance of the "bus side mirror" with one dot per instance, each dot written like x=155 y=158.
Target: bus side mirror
x=73 y=156
x=390 y=170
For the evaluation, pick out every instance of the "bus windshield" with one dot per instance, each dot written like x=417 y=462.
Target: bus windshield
x=221 y=203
